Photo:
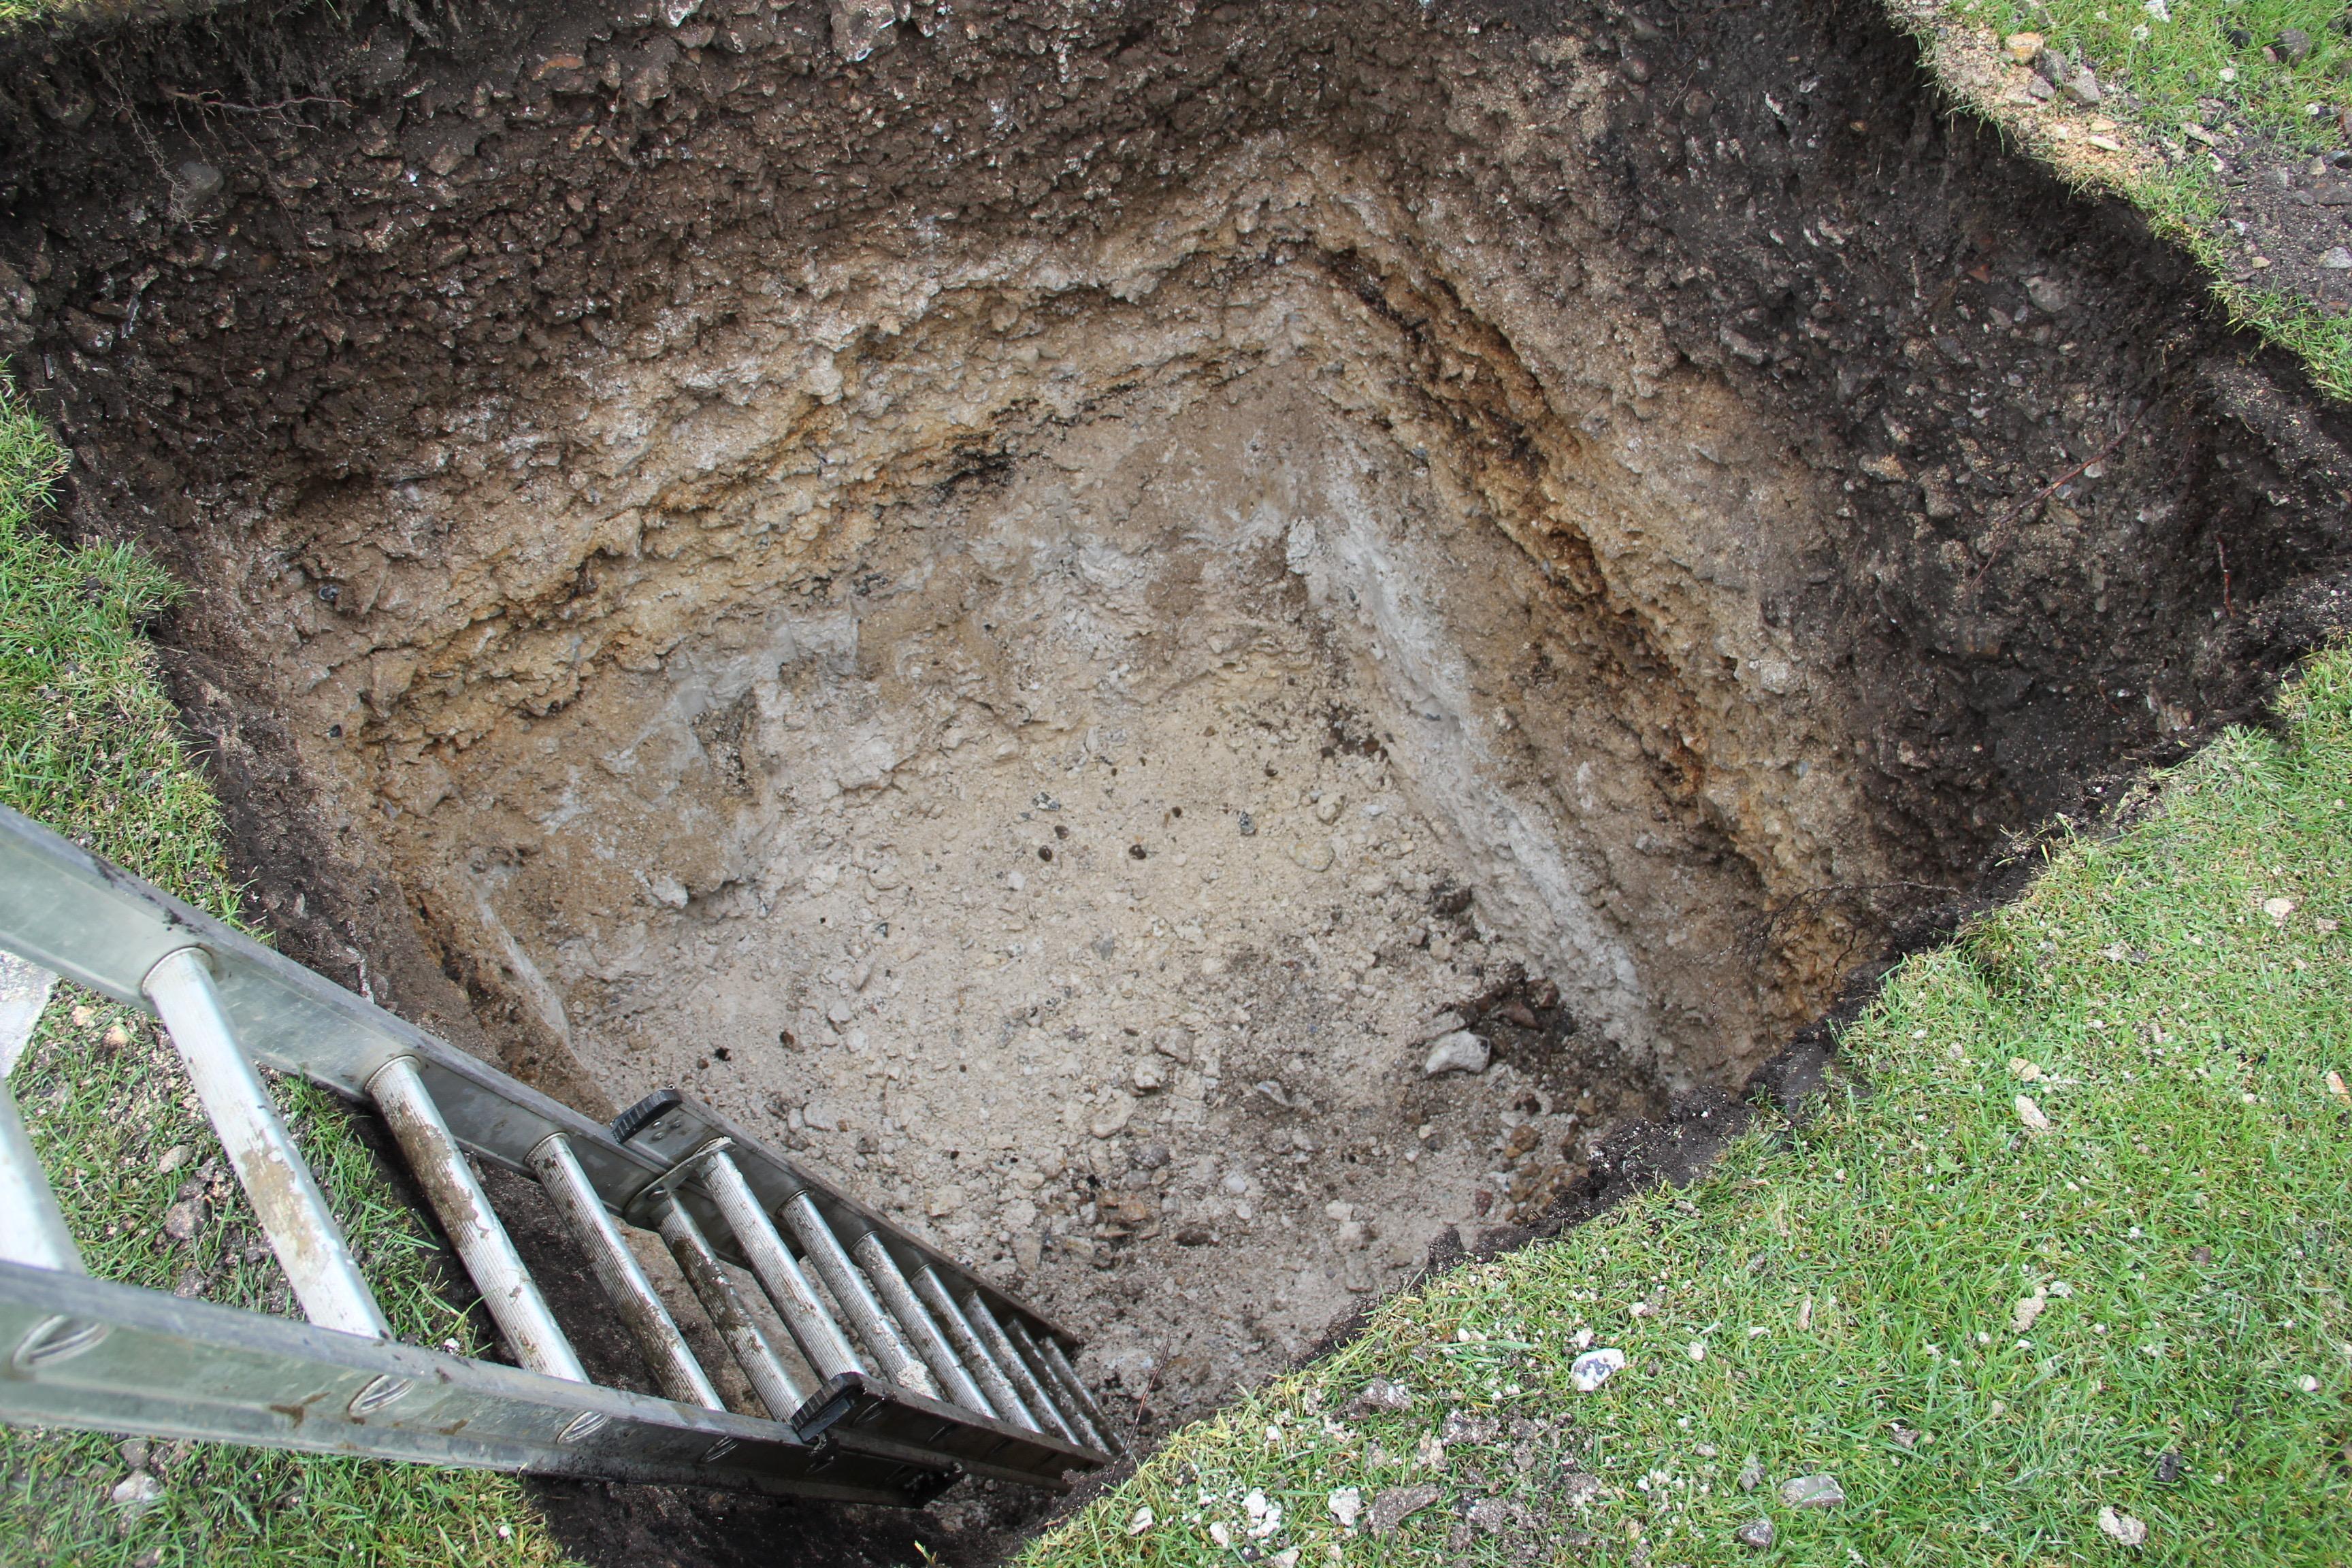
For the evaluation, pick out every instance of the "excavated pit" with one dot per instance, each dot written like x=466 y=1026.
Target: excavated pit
x=1032 y=599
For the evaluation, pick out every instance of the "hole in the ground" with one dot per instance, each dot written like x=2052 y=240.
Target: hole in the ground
x=1056 y=612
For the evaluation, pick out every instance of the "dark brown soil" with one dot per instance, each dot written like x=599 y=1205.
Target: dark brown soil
x=2060 y=523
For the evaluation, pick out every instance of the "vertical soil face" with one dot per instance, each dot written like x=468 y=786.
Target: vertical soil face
x=1049 y=603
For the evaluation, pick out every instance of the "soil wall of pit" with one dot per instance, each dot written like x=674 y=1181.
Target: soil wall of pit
x=1034 y=596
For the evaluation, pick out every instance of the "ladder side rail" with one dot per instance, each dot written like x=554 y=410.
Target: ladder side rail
x=778 y=1389
x=907 y=1310
x=1081 y=1426
x=170 y=1368
x=851 y=1291
x=1000 y=1347
x=458 y=1200
x=68 y=911
x=285 y=1196
x=632 y=1296
x=1001 y=1396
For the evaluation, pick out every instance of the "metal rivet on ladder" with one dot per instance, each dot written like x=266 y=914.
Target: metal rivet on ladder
x=285 y=1196
x=463 y=1210
x=617 y=1269
x=856 y=1297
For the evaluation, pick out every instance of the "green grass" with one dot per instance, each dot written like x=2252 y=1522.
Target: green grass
x=2170 y=74
x=87 y=745
x=2184 y=1217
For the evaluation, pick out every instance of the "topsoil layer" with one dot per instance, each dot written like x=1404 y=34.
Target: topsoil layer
x=1038 y=598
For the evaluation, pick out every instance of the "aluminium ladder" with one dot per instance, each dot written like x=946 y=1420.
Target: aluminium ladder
x=906 y=1370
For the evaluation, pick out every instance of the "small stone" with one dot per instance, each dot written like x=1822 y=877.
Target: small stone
x=2028 y=1308
x=1393 y=1506
x=1579 y=1486
x=1381 y=1395
x=1756 y=1534
x=1113 y=1118
x=1175 y=1044
x=1248 y=825
x=1593 y=1368
x=857 y=25
x=116 y=1038
x=1751 y=1474
x=2122 y=1528
x=2293 y=46
x=183 y=1219
x=2031 y=1114
x=1460 y=1051
x=1147 y=1077
x=1195 y=1236
x=2167 y=1468
x=2083 y=87
x=2046 y=295
x=2039 y=89
x=2022 y=47
x=137 y=1492
x=90 y=334
x=1812 y=1491
x=1328 y=809
x=177 y=1156
x=1138 y=1521
x=134 y=1451
x=1492 y=1515
x=1904 y=1435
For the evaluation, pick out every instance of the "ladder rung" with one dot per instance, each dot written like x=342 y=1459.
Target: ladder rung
x=1001 y=1396
x=1082 y=1426
x=778 y=1389
x=849 y=1289
x=285 y=1196
x=821 y=1340
x=874 y=1258
x=1001 y=1349
x=455 y=1194
x=624 y=1278
x=32 y=1229
x=1058 y=1360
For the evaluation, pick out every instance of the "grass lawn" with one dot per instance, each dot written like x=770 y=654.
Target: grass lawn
x=87 y=746
x=2260 y=76
x=2082 y=1246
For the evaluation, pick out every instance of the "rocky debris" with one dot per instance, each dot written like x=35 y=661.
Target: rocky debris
x=2030 y=1113
x=1346 y=1504
x=1756 y=1534
x=2122 y=1528
x=1579 y=1486
x=1751 y=1474
x=1380 y=1396
x=1593 y=1368
x=1812 y=1491
x=141 y=1490
x=1395 y=1504
x=1460 y=1051
x=2293 y=46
